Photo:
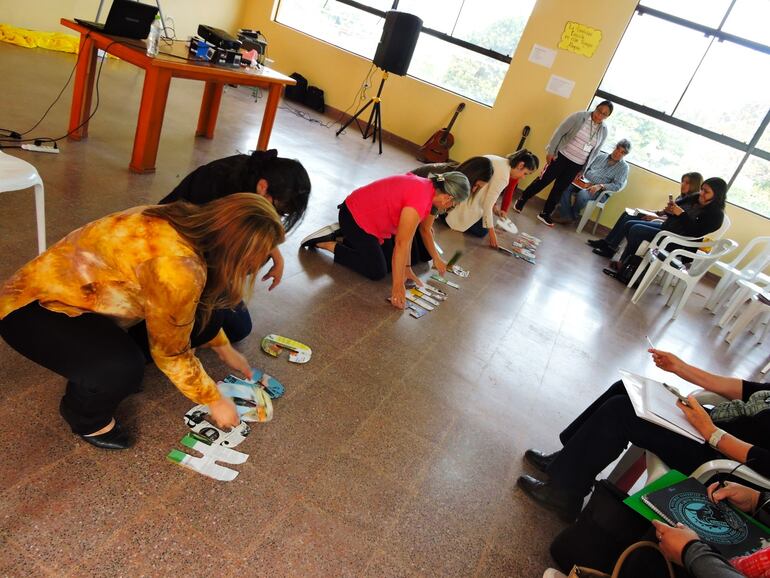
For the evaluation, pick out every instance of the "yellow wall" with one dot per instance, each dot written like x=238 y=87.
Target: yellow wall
x=187 y=14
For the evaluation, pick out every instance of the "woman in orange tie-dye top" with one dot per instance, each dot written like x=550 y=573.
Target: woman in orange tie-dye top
x=168 y=270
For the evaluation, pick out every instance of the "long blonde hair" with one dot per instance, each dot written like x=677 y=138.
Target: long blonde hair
x=234 y=235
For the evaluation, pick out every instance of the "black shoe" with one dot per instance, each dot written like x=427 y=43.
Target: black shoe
x=604 y=251
x=564 y=504
x=545 y=219
x=540 y=460
x=518 y=206
x=115 y=439
x=597 y=243
x=327 y=233
x=610 y=273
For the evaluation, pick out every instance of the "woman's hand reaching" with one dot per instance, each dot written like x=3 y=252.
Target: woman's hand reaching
x=234 y=359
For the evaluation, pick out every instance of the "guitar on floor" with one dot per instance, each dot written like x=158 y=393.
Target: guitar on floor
x=436 y=149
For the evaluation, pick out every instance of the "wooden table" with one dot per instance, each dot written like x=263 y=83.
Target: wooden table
x=158 y=73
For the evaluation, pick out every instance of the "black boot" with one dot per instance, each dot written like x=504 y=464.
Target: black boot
x=566 y=505
x=597 y=243
x=540 y=460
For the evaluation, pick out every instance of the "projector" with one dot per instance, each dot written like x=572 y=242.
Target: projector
x=218 y=38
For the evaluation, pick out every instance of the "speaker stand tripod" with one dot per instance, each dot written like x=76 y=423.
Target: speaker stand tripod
x=374 y=126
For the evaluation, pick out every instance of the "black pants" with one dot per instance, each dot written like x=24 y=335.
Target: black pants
x=561 y=172
x=364 y=254
x=599 y=435
x=103 y=364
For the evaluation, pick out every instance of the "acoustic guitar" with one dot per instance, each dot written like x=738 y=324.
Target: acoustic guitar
x=436 y=149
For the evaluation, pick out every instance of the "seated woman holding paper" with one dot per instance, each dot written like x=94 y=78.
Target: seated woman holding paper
x=602 y=432
x=689 y=190
x=85 y=308
x=391 y=207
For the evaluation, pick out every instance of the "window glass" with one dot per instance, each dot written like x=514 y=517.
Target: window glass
x=723 y=97
x=706 y=12
x=436 y=14
x=493 y=24
x=457 y=69
x=748 y=19
x=334 y=22
x=666 y=149
x=751 y=188
x=646 y=72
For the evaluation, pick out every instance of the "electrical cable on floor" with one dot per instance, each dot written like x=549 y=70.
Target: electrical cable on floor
x=41 y=140
x=359 y=96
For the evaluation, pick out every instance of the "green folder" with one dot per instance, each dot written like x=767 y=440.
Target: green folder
x=635 y=502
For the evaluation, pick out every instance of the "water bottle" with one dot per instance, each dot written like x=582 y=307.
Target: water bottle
x=153 y=39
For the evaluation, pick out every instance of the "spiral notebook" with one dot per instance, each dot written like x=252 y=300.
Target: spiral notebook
x=719 y=525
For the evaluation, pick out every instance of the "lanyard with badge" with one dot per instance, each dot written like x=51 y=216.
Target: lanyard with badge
x=588 y=147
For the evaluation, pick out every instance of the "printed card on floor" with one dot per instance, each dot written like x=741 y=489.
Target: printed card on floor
x=445 y=281
x=459 y=271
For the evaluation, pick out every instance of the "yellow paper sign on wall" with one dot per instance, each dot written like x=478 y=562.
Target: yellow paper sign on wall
x=580 y=39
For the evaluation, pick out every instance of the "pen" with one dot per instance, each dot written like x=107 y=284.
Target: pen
x=647 y=337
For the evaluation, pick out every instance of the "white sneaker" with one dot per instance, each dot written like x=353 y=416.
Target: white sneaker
x=327 y=233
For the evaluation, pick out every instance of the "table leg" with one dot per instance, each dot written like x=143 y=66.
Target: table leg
x=271 y=107
x=151 y=111
x=82 y=89
x=207 y=118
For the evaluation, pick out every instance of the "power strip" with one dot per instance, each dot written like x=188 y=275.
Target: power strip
x=40 y=148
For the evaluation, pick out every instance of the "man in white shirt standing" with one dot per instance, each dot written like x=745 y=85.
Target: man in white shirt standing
x=574 y=145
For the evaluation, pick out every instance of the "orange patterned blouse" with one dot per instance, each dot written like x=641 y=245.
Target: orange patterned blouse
x=129 y=267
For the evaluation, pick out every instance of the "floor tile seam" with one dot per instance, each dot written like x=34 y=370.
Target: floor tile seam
x=493 y=531
x=41 y=471
x=149 y=512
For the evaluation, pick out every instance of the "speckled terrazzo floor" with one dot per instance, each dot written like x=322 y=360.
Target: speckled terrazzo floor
x=395 y=450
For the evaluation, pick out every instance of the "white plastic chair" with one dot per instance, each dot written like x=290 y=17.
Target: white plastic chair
x=17 y=174
x=664 y=238
x=758 y=309
x=732 y=271
x=745 y=290
x=687 y=276
x=589 y=209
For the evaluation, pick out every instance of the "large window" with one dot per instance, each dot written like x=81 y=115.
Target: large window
x=465 y=45
x=691 y=84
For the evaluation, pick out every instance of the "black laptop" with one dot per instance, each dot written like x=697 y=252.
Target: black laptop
x=126 y=18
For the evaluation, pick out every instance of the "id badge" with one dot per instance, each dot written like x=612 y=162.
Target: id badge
x=587 y=148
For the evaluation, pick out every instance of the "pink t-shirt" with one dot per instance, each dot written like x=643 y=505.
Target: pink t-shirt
x=376 y=207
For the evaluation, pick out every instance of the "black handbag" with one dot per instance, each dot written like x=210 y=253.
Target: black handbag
x=603 y=530
x=315 y=99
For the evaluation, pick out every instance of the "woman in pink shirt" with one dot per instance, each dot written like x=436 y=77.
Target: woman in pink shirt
x=391 y=207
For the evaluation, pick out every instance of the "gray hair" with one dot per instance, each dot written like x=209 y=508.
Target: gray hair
x=453 y=183
x=624 y=143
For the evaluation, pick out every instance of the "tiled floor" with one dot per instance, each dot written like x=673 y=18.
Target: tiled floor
x=395 y=450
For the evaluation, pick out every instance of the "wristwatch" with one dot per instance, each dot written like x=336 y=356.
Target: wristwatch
x=716 y=437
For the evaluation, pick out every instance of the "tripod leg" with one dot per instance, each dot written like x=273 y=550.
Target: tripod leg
x=379 y=125
x=372 y=116
x=354 y=117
